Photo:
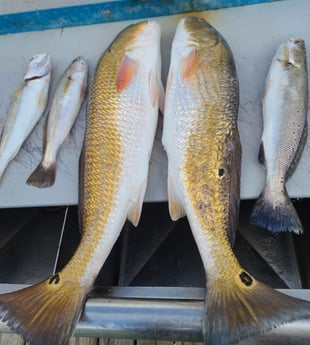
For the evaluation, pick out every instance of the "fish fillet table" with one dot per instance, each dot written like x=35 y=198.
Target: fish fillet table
x=253 y=32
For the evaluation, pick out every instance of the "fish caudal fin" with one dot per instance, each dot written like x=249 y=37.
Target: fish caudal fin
x=276 y=213
x=45 y=313
x=246 y=309
x=43 y=176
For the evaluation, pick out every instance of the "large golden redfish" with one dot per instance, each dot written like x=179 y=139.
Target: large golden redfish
x=202 y=143
x=121 y=124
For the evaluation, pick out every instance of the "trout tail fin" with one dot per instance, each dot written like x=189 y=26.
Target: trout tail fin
x=275 y=212
x=43 y=176
x=45 y=313
x=247 y=308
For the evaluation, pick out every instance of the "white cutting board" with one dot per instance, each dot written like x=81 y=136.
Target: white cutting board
x=253 y=32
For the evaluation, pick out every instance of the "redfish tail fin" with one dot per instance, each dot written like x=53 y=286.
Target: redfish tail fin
x=43 y=176
x=275 y=213
x=246 y=309
x=45 y=313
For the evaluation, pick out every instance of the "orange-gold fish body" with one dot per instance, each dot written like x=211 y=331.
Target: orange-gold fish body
x=122 y=116
x=202 y=143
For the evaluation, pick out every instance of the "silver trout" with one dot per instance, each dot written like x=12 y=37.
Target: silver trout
x=201 y=139
x=285 y=103
x=69 y=96
x=27 y=105
x=121 y=123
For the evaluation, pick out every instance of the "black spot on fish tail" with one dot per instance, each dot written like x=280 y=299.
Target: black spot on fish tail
x=54 y=279
x=245 y=278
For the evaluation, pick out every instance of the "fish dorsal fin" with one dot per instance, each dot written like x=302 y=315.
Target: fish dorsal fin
x=136 y=208
x=126 y=72
x=176 y=209
x=156 y=90
x=189 y=64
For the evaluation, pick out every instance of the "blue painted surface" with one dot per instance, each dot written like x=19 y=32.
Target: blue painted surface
x=106 y=12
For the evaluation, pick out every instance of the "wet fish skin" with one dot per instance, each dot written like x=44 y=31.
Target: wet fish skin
x=284 y=136
x=69 y=96
x=201 y=138
x=121 y=124
x=27 y=105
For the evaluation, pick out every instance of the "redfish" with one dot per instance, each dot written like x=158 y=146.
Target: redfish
x=69 y=96
x=201 y=138
x=27 y=106
x=122 y=117
x=285 y=104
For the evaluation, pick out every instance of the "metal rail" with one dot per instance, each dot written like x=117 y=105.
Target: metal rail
x=164 y=314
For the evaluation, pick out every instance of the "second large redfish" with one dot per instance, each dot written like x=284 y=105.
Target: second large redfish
x=204 y=154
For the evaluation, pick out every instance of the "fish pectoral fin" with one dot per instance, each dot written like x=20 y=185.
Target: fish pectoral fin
x=17 y=93
x=136 y=208
x=176 y=209
x=156 y=90
x=189 y=63
x=126 y=72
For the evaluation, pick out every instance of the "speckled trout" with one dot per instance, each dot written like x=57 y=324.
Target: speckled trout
x=201 y=139
x=122 y=116
x=27 y=106
x=68 y=98
x=285 y=104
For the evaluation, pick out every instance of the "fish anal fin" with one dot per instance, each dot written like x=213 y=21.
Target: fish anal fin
x=261 y=154
x=45 y=313
x=176 y=209
x=136 y=208
x=126 y=72
x=245 y=307
x=189 y=64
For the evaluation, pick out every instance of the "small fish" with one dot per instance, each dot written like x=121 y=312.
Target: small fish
x=201 y=138
x=122 y=117
x=285 y=103
x=27 y=106
x=69 y=96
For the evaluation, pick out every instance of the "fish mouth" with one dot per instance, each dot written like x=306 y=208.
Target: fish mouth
x=39 y=66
